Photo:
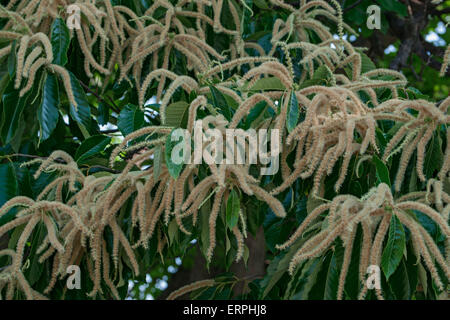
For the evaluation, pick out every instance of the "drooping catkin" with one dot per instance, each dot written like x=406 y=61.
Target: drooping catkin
x=240 y=243
x=31 y=74
x=274 y=204
x=375 y=256
x=64 y=74
x=345 y=263
x=446 y=61
x=26 y=233
x=20 y=59
x=190 y=287
x=50 y=225
x=30 y=59
x=212 y=223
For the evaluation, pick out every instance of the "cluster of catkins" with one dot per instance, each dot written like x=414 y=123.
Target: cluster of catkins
x=76 y=209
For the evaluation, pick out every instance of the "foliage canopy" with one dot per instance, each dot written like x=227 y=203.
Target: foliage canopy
x=86 y=176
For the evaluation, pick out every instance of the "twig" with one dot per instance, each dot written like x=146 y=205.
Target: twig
x=113 y=107
x=59 y=161
x=353 y=5
x=109 y=131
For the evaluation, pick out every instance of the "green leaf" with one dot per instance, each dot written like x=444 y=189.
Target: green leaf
x=320 y=77
x=318 y=286
x=412 y=269
x=220 y=103
x=173 y=231
x=434 y=156
x=5 y=79
x=227 y=243
x=177 y=114
x=399 y=282
x=91 y=146
x=382 y=171
x=422 y=275
x=446 y=183
x=312 y=202
x=13 y=106
x=279 y=266
x=268 y=83
x=356 y=14
x=246 y=255
x=60 y=39
x=273 y=275
x=293 y=113
x=308 y=278
x=15 y=235
x=352 y=281
x=48 y=110
x=416 y=94
x=233 y=208
x=366 y=63
x=12 y=58
x=103 y=114
x=224 y=294
x=393 y=252
x=334 y=269
x=34 y=272
x=157 y=162
x=130 y=119
x=174 y=168
x=395 y=6
x=81 y=113
x=256 y=115
x=8 y=189
x=262 y=4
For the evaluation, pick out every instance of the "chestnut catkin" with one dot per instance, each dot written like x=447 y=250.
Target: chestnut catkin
x=190 y=287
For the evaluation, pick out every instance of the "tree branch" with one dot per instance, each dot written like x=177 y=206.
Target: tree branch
x=112 y=107
x=353 y=5
x=61 y=161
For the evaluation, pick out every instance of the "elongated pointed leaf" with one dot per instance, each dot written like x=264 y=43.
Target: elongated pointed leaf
x=13 y=106
x=274 y=274
x=399 y=283
x=233 y=208
x=81 y=113
x=334 y=270
x=366 y=63
x=130 y=119
x=220 y=103
x=172 y=231
x=434 y=156
x=177 y=114
x=317 y=287
x=382 y=171
x=34 y=272
x=91 y=146
x=352 y=282
x=320 y=77
x=393 y=252
x=412 y=269
x=268 y=83
x=174 y=168
x=395 y=6
x=12 y=58
x=103 y=114
x=60 y=39
x=48 y=110
x=308 y=278
x=157 y=156
x=8 y=189
x=293 y=113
